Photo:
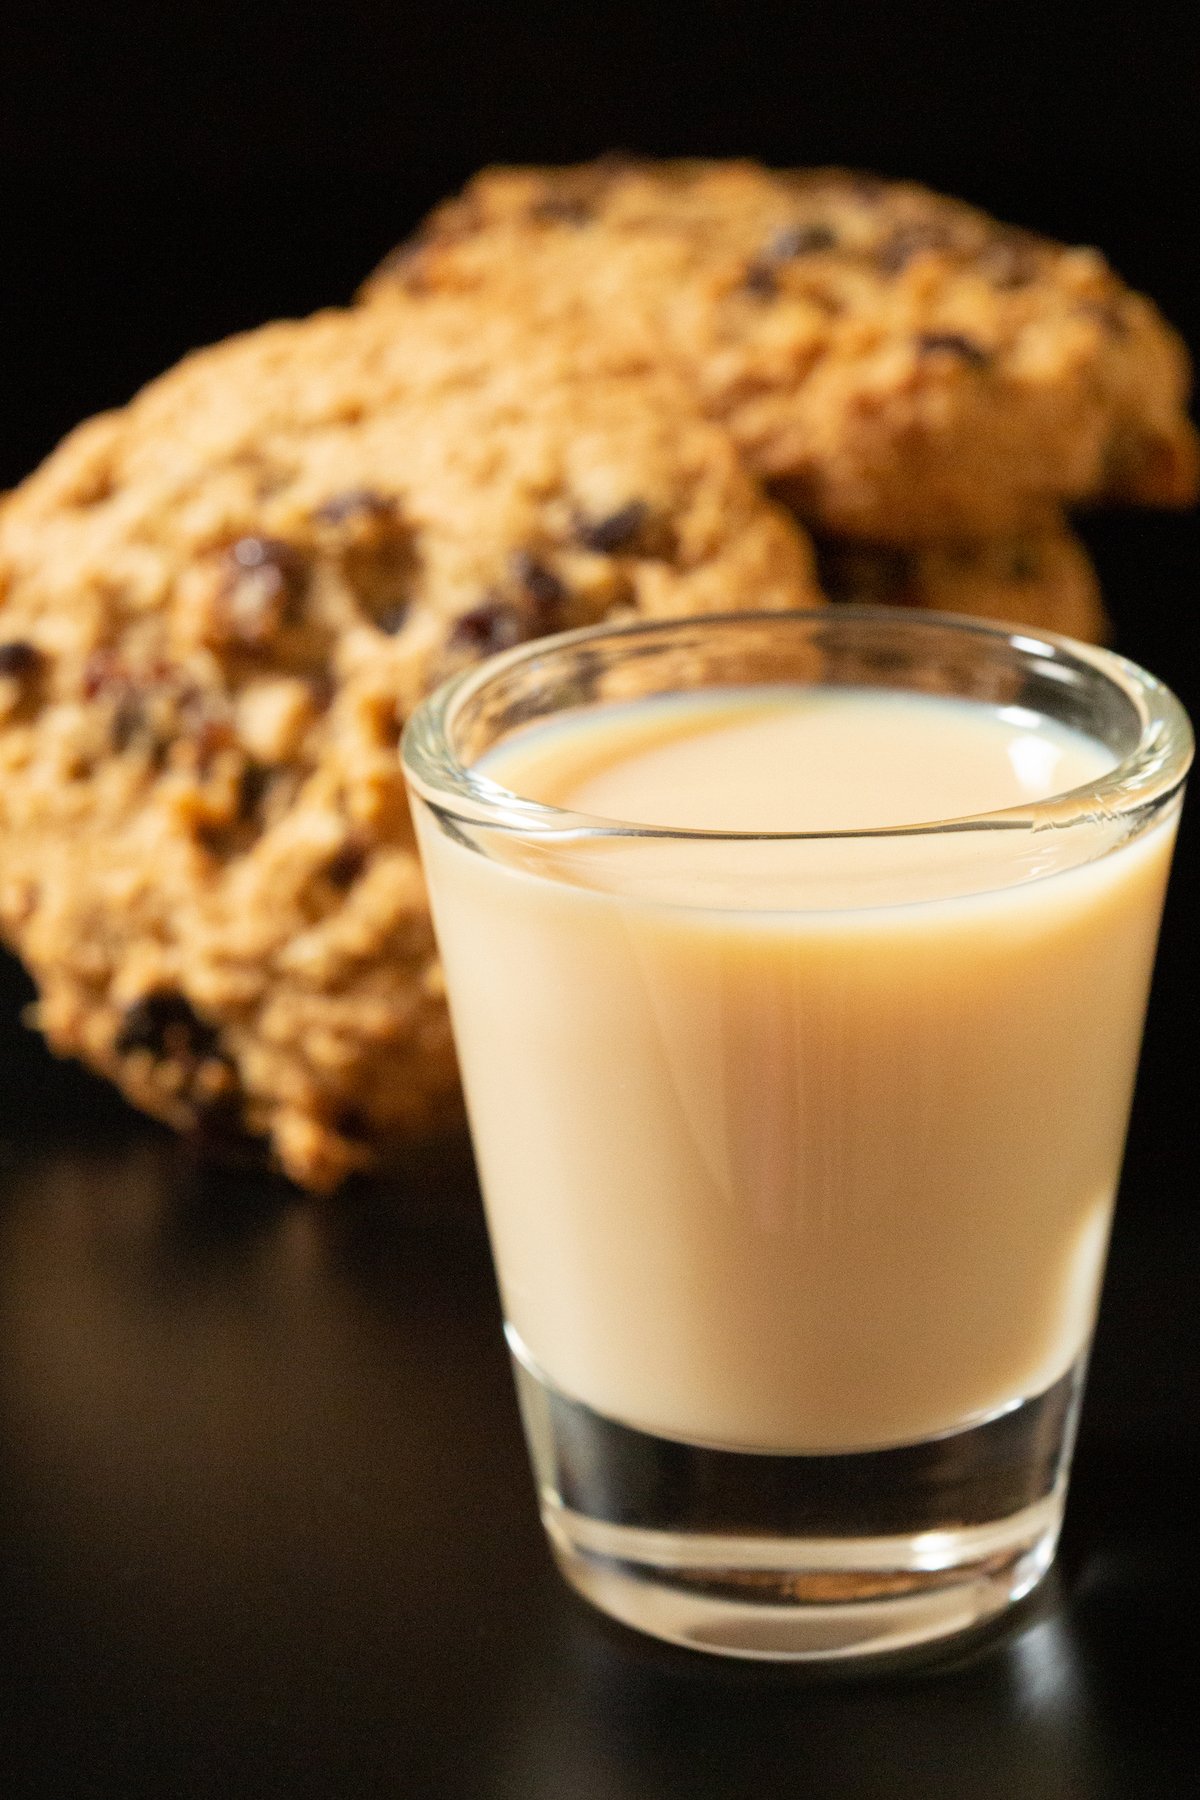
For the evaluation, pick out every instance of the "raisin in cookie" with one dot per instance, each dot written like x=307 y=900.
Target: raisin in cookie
x=217 y=607
x=905 y=367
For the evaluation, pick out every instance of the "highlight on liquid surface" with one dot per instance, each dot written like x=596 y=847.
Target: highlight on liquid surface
x=816 y=1152
x=780 y=760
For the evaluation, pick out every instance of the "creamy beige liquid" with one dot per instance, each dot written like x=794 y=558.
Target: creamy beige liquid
x=798 y=1146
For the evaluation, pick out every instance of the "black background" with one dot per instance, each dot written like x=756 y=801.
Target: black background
x=264 y=1521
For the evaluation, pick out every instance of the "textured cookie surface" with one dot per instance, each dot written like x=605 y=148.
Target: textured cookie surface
x=1039 y=578
x=217 y=607
x=904 y=366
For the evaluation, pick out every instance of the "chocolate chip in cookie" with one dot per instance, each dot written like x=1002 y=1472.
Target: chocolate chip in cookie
x=953 y=343
x=20 y=660
x=616 y=532
x=547 y=592
x=265 y=580
x=493 y=625
x=909 y=242
x=166 y=1024
x=347 y=864
x=796 y=241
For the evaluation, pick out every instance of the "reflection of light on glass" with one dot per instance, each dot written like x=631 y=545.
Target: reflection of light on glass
x=1023 y=717
x=1034 y=758
x=1031 y=646
x=1034 y=762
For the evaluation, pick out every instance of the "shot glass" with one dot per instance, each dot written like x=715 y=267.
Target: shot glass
x=799 y=1149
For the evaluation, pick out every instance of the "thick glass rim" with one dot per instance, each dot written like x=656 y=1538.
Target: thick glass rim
x=1141 y=783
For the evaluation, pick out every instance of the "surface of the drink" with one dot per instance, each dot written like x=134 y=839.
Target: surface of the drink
x=779 y=760
x=828 y=1171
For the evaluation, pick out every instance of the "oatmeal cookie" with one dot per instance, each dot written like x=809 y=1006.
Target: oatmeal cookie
x=217 y=607
x=905 y=367
x=1040 y=578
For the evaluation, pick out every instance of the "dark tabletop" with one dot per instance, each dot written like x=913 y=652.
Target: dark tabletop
x=266 y=1526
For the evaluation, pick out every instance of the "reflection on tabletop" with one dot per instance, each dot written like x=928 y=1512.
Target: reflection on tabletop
x=265 y=1503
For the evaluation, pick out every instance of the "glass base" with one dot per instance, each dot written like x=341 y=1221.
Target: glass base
x=795 y=1556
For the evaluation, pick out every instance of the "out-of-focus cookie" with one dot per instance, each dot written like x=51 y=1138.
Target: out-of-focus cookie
x=1044 y=579
x=904 y=366
x=217 y=607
